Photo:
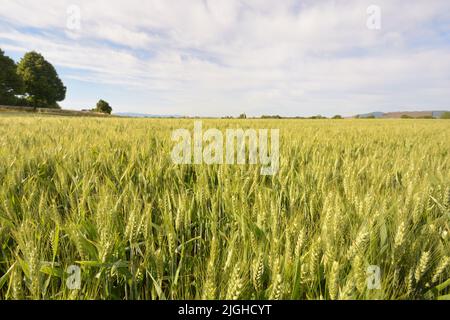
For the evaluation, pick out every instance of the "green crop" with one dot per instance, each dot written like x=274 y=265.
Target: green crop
x=104 y=195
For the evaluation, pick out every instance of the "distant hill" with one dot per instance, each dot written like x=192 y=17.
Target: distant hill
x=399 y=114
x=144 y=115
x=372 y=114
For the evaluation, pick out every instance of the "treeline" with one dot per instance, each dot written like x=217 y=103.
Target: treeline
x=32 y=82
x=445 y=115
x=244 y=116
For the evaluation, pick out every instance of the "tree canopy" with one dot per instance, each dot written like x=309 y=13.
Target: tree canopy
x=103 y=107
x=43 y=86
x=10 y=82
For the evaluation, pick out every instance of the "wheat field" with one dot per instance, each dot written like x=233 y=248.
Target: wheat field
x=104 y=195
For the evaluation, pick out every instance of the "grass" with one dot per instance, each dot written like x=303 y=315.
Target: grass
x=103 y=194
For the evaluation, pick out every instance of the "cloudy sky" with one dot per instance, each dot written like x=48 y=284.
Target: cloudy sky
x=225 y=57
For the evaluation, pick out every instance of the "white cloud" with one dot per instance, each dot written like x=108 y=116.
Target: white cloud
x=225 y=57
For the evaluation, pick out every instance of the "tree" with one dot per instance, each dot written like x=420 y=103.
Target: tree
x=43 y=87
x=243 y=116
x=103 y=107
x=11 y=84
x=337 y=116
x=445 y=115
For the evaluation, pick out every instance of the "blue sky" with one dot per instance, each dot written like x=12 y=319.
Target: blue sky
x=225 y=57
